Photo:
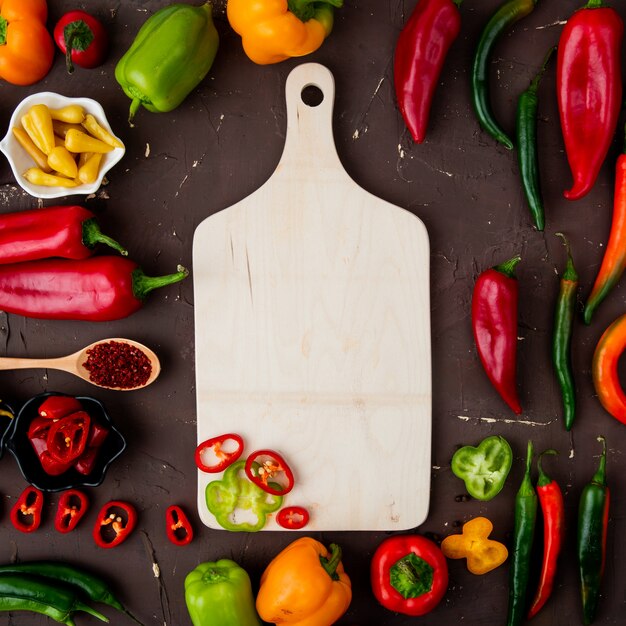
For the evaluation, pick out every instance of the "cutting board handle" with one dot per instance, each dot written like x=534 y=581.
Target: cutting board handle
x=309 y=143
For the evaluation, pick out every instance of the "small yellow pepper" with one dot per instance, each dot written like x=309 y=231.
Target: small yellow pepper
x=33 y=151
x=38 y=124
x=61 y=128
x=93 y=128
x=83 y=157
x=88 y=172
x=77 y=141
x=304 y=585
x=61 y=161
x=38 y=177
x=482 y=554
x=71 y=114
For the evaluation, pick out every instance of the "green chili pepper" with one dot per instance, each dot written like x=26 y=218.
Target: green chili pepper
x=483 y=469
x=562 y=337
x=525 y=516
x=220 y=594
x=172 y=53
x=509 y=13
x=593 y=518
x=235 y=495
x=527 y=157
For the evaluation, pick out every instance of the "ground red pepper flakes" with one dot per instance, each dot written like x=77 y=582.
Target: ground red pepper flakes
x=117 y=364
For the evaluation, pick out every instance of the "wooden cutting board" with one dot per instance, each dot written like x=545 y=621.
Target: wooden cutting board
x=312 y=327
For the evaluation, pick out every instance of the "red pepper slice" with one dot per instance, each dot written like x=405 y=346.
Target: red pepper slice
x=72 y=506
x=68 y=437
x=293 y=517
x=214 y=449
x=26 y=512
x=177 y=525
x=115 y=521
x=38 y=436
x=56 y=407
x=39 y=428
x=264 y=467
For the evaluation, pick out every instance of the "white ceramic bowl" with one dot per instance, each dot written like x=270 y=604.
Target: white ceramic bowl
x=20 y=161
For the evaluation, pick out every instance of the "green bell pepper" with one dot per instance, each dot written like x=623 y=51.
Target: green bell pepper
x=237 y=503
x=172 y=53
x=484 y=468
x=220 y=594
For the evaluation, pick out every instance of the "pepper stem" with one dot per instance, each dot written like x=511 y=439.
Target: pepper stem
x=570 y=271
x=544 y=479
x=599 y=478
x=534 y=83
x=143 y=285
x=3 y=31
x=508 y=267
x=330 y=564
x=93 y=235
x=304 y=10
x=593 y=4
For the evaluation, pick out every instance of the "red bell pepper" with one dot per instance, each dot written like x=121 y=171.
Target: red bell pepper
x=177 y=526
x=589 y=90
x=101 y=288
x=115 y=522
x=494 y=322
x=26 y=512
x=269 y=471
x=211 y=456
x=293 y=517
x=82 y=39
x=68 y=436
x=55 y=407
x=73 y=505
x=420 y=53
x=409 y=574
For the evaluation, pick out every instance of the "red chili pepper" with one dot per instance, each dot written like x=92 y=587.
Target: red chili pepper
x=409 y=574
x=553 y=510
x=101 y=288
x=589 y=89
x=26 y=512
x=419 y=57
x=293 y=517
x=211 y=456
x=494 y=322
x=82 y=39
x=56 y=407
x=68 y=437
x=37 y=434
x=73 y=505
x=269 y=471
x=115 y=521
x=177 y=525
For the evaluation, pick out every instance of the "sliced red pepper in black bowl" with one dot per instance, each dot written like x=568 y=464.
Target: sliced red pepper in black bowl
x=177 y=526
x=115 y=522
x=217 y=453
x=72 y=506
x=26 y=512
x=269 y=471
x=55 y=407
x=68 y=437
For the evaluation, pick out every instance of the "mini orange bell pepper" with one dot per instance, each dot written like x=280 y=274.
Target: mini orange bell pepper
x=304 y=585
x=26 y=47
x=275 y=30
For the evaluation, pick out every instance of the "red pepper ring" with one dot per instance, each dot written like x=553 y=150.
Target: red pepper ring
x=215 y=448
x=55 y=407
x=264 y=466
x=68 y=437
x=293 y=517
x=177 y=525
x=73 y=505
x=115 y=521
x=26 y=512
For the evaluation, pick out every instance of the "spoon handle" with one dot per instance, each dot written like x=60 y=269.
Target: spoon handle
x=16 y=363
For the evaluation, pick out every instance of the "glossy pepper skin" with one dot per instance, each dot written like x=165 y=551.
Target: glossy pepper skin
x=593 y=521
x=304 y=585
x=220 y=594
x=26 y=48
x=589 y=90
x=275 y=30
x=101 y=288
x=494 y=323
x=115 y=522
x=173 y=51
x=419 y=56
x=27 y=511
x=614 y=259
x=409 y=574
x=71 y=508
x=82 y=39
x=177 y=526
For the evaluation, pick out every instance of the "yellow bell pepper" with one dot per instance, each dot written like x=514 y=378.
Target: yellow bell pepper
x=482 y=554
x=77 y=141
x=61 y=161
x=275 y=30
x=304 y=585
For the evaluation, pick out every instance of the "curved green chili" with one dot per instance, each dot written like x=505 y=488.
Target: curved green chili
x=593 y=518
x=562 y=337
x=526 y=135
x=509 y=13
x=525 y=516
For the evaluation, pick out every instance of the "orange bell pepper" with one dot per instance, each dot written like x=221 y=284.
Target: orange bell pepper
x=304 y=585
x=26 y=47
x=275 y=30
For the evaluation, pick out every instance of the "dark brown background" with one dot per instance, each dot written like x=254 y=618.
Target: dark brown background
x=223 y=143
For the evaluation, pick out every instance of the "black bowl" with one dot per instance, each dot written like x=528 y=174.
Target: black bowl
x=16 y=441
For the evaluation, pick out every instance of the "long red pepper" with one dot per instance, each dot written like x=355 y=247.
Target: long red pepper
x=553 y=510
x=494 y=322
x=70 y=232
x=614 y=260
x=589 y=89
x=101 y=288
x=420 y=53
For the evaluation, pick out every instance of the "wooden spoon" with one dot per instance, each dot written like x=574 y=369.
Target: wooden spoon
x=73 y=363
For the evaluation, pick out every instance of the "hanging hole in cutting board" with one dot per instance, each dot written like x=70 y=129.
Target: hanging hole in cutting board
x=312 y=96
